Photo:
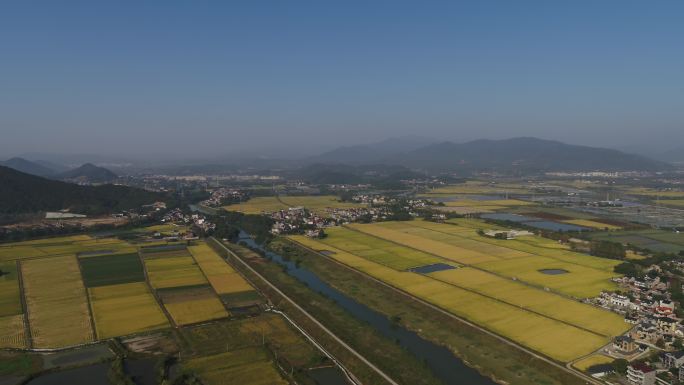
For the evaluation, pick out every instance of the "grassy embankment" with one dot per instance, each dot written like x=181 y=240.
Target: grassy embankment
x=386 y=354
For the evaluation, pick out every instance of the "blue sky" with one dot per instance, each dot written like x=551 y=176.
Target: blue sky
x=135 y=77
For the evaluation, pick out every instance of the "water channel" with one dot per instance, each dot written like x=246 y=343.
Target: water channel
x=442 y=362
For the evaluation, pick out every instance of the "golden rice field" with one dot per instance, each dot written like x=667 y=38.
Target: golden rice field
x=173 y=272
x=248 y=366
x=222 y=277
x=12 y=333
x=592 y=224
x=672 y=202
x=596 y=359
x=193 y=305
x=57 y=302
x=124 y=309
x=317 y=203
x=377 y=250
x=485 y=293
x=521 y=258
x=60 y=246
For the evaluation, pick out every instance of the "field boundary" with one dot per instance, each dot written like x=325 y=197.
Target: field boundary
x=24 y=306
x=154 y=293
x=91 y=314
x=505 y=340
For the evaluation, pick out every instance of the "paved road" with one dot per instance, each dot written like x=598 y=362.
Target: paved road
x=314 y=320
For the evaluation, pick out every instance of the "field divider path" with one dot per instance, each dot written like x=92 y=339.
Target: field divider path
x=24 y=306
x=494 y=273
x=457 y=318
x=91 y=314
x=310 y=317
x=154 y=292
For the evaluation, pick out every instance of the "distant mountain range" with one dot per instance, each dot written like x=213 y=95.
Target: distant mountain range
x=517 y=154
x=24 y=193
x=87 y=173
x=28 y=167
x=373 y=152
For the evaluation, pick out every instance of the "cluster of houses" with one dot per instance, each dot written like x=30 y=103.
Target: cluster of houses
x=645 y=303
x=195 y=220
x=221 y=195
x=296 y=220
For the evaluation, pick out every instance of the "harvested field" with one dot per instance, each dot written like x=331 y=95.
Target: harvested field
x=57 y=302
x=12 y=334
x=192 y=305
x=249 y=366
x=173 y=272
x=125 y=309
x=112 y=270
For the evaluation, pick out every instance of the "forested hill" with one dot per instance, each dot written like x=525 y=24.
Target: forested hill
x=24 y=193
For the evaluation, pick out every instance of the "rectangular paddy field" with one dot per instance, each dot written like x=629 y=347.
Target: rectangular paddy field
x=248 y=366
x=124 y=309
x=481 y=288
x=57 y=302
x=112 y=269
x=173 y=271
x=227 y=283
x=12 y=333
x=189 y=305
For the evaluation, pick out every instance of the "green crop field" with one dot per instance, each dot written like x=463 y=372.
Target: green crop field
x=57 y=302
x=125 y=309
x=653 y=239
x=111 y=269
x=249 y=366
x=502 y=288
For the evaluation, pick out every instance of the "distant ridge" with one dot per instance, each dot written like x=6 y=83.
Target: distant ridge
x=28 y=167
x=518 y=154
x=24 y=193
x=373 y=152
x=88 y=173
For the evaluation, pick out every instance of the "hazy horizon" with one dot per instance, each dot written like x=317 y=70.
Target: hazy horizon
x=187 y=81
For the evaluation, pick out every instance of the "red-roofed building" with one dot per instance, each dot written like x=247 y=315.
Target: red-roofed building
x=641 y=374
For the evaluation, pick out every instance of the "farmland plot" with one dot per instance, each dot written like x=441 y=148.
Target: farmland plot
x=192 y=305
x=173 y=272
x=125 y=309
x=57 y=302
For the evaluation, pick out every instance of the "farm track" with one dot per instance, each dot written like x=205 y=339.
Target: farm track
x=311 y=318
x=24 y=306
x=91 y=315
x=565 y=368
